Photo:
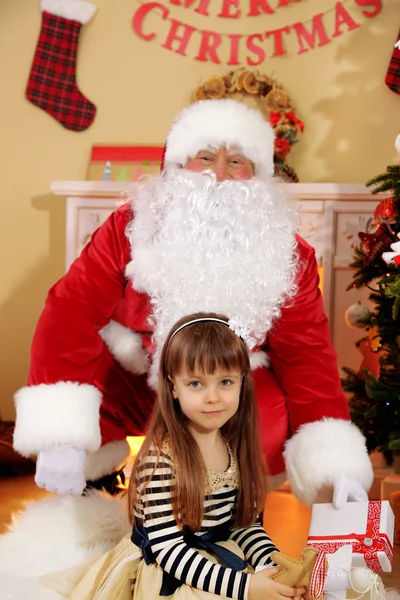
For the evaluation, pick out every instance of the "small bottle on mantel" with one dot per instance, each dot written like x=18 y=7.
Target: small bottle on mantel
x=107 y=172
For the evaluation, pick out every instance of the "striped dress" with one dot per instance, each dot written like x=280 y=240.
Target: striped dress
x=153 y=511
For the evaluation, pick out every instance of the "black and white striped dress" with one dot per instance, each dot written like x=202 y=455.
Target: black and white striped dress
x=153 y=511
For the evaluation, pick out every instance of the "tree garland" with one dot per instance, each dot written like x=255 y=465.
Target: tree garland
x=273 y=102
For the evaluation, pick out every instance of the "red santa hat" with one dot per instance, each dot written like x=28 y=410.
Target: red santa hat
x=215 y=123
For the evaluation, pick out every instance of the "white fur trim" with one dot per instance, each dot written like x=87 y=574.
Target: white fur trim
x=322 y=451
x=74 y=10
x=126 y=347
x=259 y=359
x=109 y=458
x=64 y=413
x=221 y=122
x=397 y=143
x=55 y=534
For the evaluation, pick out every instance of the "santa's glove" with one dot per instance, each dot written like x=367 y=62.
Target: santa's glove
x=61 y=470
x=347 y=490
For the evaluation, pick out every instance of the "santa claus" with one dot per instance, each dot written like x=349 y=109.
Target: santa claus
x=214 y=232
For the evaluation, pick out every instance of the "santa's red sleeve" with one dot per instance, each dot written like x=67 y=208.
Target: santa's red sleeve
x=60 y=405
x=324 y=444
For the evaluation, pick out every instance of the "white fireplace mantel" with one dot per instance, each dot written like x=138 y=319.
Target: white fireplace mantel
x=309 y=191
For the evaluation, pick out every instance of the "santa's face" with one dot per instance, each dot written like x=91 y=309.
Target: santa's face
x=225 y=163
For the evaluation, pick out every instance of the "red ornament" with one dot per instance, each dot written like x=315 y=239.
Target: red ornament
x=375 y=244
x=371 y=361
x=385 y=211
x=282 y=146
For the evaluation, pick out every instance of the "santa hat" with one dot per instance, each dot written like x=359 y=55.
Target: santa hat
x=221 y=122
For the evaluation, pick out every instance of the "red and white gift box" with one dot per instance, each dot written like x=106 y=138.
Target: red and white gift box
x=367 y=526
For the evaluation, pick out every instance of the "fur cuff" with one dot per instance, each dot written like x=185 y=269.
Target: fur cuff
x=322 y=451
x=63 y=414
x=73 y=10
x=126 y=347
x=259 y=359
x=107 y=459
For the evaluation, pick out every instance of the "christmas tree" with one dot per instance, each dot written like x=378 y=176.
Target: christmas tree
x=375 y=389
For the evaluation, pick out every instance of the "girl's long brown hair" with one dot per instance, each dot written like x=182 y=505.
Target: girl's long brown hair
x=205 y=347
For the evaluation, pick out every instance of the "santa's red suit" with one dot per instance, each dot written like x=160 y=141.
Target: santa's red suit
x=88 y=374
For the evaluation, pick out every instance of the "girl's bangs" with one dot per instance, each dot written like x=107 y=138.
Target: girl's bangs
x=210 y=347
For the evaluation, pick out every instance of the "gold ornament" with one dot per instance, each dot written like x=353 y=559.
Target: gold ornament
x=357 y=316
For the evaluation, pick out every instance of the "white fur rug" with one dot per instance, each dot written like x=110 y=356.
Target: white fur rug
x=57 y=533
x=54 y=534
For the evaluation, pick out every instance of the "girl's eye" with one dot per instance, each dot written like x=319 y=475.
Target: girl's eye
x=226 y=382
x=195 y=384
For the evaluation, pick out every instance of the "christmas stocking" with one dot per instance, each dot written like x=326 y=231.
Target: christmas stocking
x=392 y=79
x=52 y=80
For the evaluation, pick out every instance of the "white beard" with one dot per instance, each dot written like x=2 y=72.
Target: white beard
x=200 y=245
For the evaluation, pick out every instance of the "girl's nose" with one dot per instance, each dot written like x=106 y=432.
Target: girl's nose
x=212 y=395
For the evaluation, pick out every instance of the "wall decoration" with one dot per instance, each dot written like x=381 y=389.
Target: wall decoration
x=124 y=163
x=253 y=49
x=273 y=102
x=52 y=81
x=392 y=78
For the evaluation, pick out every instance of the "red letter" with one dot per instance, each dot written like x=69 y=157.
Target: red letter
x=233 y=58
x=140 y=15
x=342 y=16
x=209 y=42
x=317 y=30
x=226 y=6
x=286 y=2
x=201 y=9
x=279 y=50
x=256 y=5
x=256 y=49
x=376 y=3
x=182 y=39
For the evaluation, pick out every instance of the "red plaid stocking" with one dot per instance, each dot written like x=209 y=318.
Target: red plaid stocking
x=52 y=80
x=393 y=73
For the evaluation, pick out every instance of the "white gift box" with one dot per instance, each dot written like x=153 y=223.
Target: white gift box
x=367 y=526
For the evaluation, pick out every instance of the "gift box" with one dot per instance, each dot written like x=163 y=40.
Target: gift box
x=124 y=163
x=367 y=526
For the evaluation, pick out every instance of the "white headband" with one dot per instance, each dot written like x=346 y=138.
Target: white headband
x=233 y=324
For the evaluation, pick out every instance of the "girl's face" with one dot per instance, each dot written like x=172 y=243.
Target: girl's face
x=208 y=400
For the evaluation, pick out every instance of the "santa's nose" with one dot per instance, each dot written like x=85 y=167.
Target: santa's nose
x=221 y=170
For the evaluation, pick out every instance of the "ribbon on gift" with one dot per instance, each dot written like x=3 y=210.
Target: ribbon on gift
x=369 y=543
x=318 y=576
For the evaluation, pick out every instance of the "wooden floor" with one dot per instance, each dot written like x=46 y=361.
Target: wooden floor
x=285 y=519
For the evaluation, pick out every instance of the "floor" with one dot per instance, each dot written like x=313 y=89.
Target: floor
x=285 y=519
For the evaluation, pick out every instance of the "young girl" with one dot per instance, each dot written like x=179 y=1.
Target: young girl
x=198 y=483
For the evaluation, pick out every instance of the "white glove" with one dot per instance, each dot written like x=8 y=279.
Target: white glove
x=61 y=470
x=347 y=490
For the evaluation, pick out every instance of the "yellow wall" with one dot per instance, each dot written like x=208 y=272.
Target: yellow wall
x=351 y=122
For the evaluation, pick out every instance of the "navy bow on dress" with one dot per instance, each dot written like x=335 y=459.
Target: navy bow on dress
x=207 y=541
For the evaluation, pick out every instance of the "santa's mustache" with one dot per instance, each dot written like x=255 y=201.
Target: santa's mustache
x=200 y=199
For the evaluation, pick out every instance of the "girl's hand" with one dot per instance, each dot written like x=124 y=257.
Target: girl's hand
x=263 y=587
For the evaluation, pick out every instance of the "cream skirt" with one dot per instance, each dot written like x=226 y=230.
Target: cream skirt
x=122 y=574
